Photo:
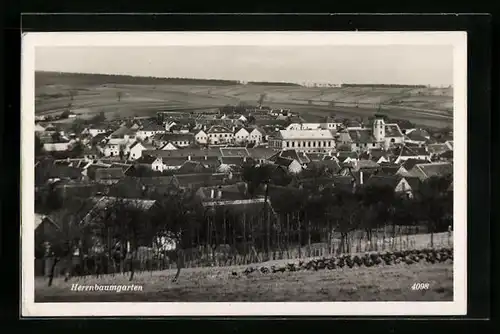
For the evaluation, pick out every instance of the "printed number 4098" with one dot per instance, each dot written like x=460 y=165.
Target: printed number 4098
x=420 y=286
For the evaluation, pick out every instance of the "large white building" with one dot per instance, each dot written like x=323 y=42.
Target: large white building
x=304 y=140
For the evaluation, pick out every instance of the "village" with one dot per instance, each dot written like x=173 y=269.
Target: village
x=248 y=163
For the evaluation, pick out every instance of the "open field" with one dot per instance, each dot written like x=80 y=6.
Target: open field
x=383 y=283
x=424 y=106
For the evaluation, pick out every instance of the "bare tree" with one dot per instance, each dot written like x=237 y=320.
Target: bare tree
x=119 y=95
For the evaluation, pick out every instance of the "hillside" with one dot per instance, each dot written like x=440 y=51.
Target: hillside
x=127 y=96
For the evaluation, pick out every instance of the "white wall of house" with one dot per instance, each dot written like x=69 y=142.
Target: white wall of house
x=295 y=167
x=143 y=134
x=401 y=159
x=169 y=147
x=255 y=137
x=57 y=147
x=136 y=151
x=220 y=138
x=157 y=165
x=241 y=136
x=403 y=187
x=201 y=137
x=95 y=132
x=390 y=141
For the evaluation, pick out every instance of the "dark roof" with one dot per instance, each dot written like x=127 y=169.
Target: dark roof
x=414 y=182
x=108 y=173
x=434 y=169
x=447 y=155
x=152 y=127
x=410 y=163
x=301 y=157
x=260 y=152
x=438 y=148
x=392 y=130
x=184 y=152
x=381 y=181
x=174 y=162
x=218 y=129
x=315 y=156
x=234 y=152
x=388 y=170
x=281 y=161
x=124 y=167
x=200 y=179
x=413 y=151
x=232 y=161
x=122 y=131
x=189 y=167
x=332 y=165
x=165 y=137
x=146 y=159
x=361 y=136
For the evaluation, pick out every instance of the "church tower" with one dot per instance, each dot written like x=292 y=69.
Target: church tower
x=379 y=128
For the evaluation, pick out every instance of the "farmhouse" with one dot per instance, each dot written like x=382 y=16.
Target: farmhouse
x=96 y=129
x=201 y=137
x=179 y=140
x=427 y=170
x=405 y=153
x=149 y=130
x=397 y=183
x=135 y=151
x=303 y=140
x=219 y=135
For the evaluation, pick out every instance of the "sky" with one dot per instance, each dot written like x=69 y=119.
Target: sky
x=389 y=64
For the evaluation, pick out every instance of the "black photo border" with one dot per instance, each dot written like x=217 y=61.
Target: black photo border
x=479 y=104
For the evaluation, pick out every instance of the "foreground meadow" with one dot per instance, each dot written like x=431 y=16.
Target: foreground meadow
x=229 y=284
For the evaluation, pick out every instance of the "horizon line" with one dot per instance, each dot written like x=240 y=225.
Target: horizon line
x=247 y=81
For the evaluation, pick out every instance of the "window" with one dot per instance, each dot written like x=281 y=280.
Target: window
x=373 y=144
x=287 y=144
x=314 y=144
x=298 y=144
x=293 y=144
x=308 y=144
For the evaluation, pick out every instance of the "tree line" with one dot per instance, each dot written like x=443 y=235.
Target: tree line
x=288 y=217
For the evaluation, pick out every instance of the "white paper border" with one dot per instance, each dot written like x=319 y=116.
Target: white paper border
x=31 y=40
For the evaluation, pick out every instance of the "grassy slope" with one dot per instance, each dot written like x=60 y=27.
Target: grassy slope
x=99 y=93
x=385 y=283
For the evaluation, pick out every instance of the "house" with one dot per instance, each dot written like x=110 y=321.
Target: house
x=256 y=136
x=149 y=130
x=115 y=147
x=436 y=150
x=303 y=140
x=201 y=137
x=218 y=134
x=136 y=149
x=178 y=140
x=290 y=165
x=169 y=147
x=358 y=139
x=347 y=157
x=241 y=135
x=96 y=129
x=234 y=152
x=197 y=180
x=191 y=167
x=155 y=163
x=399 y=184
x=417 y=136
x=331 y=166
x=404 y=153
x=125 y=133
x=57 y=147
x=427 y=170
x=446 y=156
x=108 y=175
x=137 y=187
x=449 y=143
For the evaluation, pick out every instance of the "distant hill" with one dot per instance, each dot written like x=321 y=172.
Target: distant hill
x=43 y=78
x=264 y=83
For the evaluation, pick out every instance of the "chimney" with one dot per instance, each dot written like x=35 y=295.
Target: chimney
x=189 y=158
x=361 y=177
x=212 y=191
